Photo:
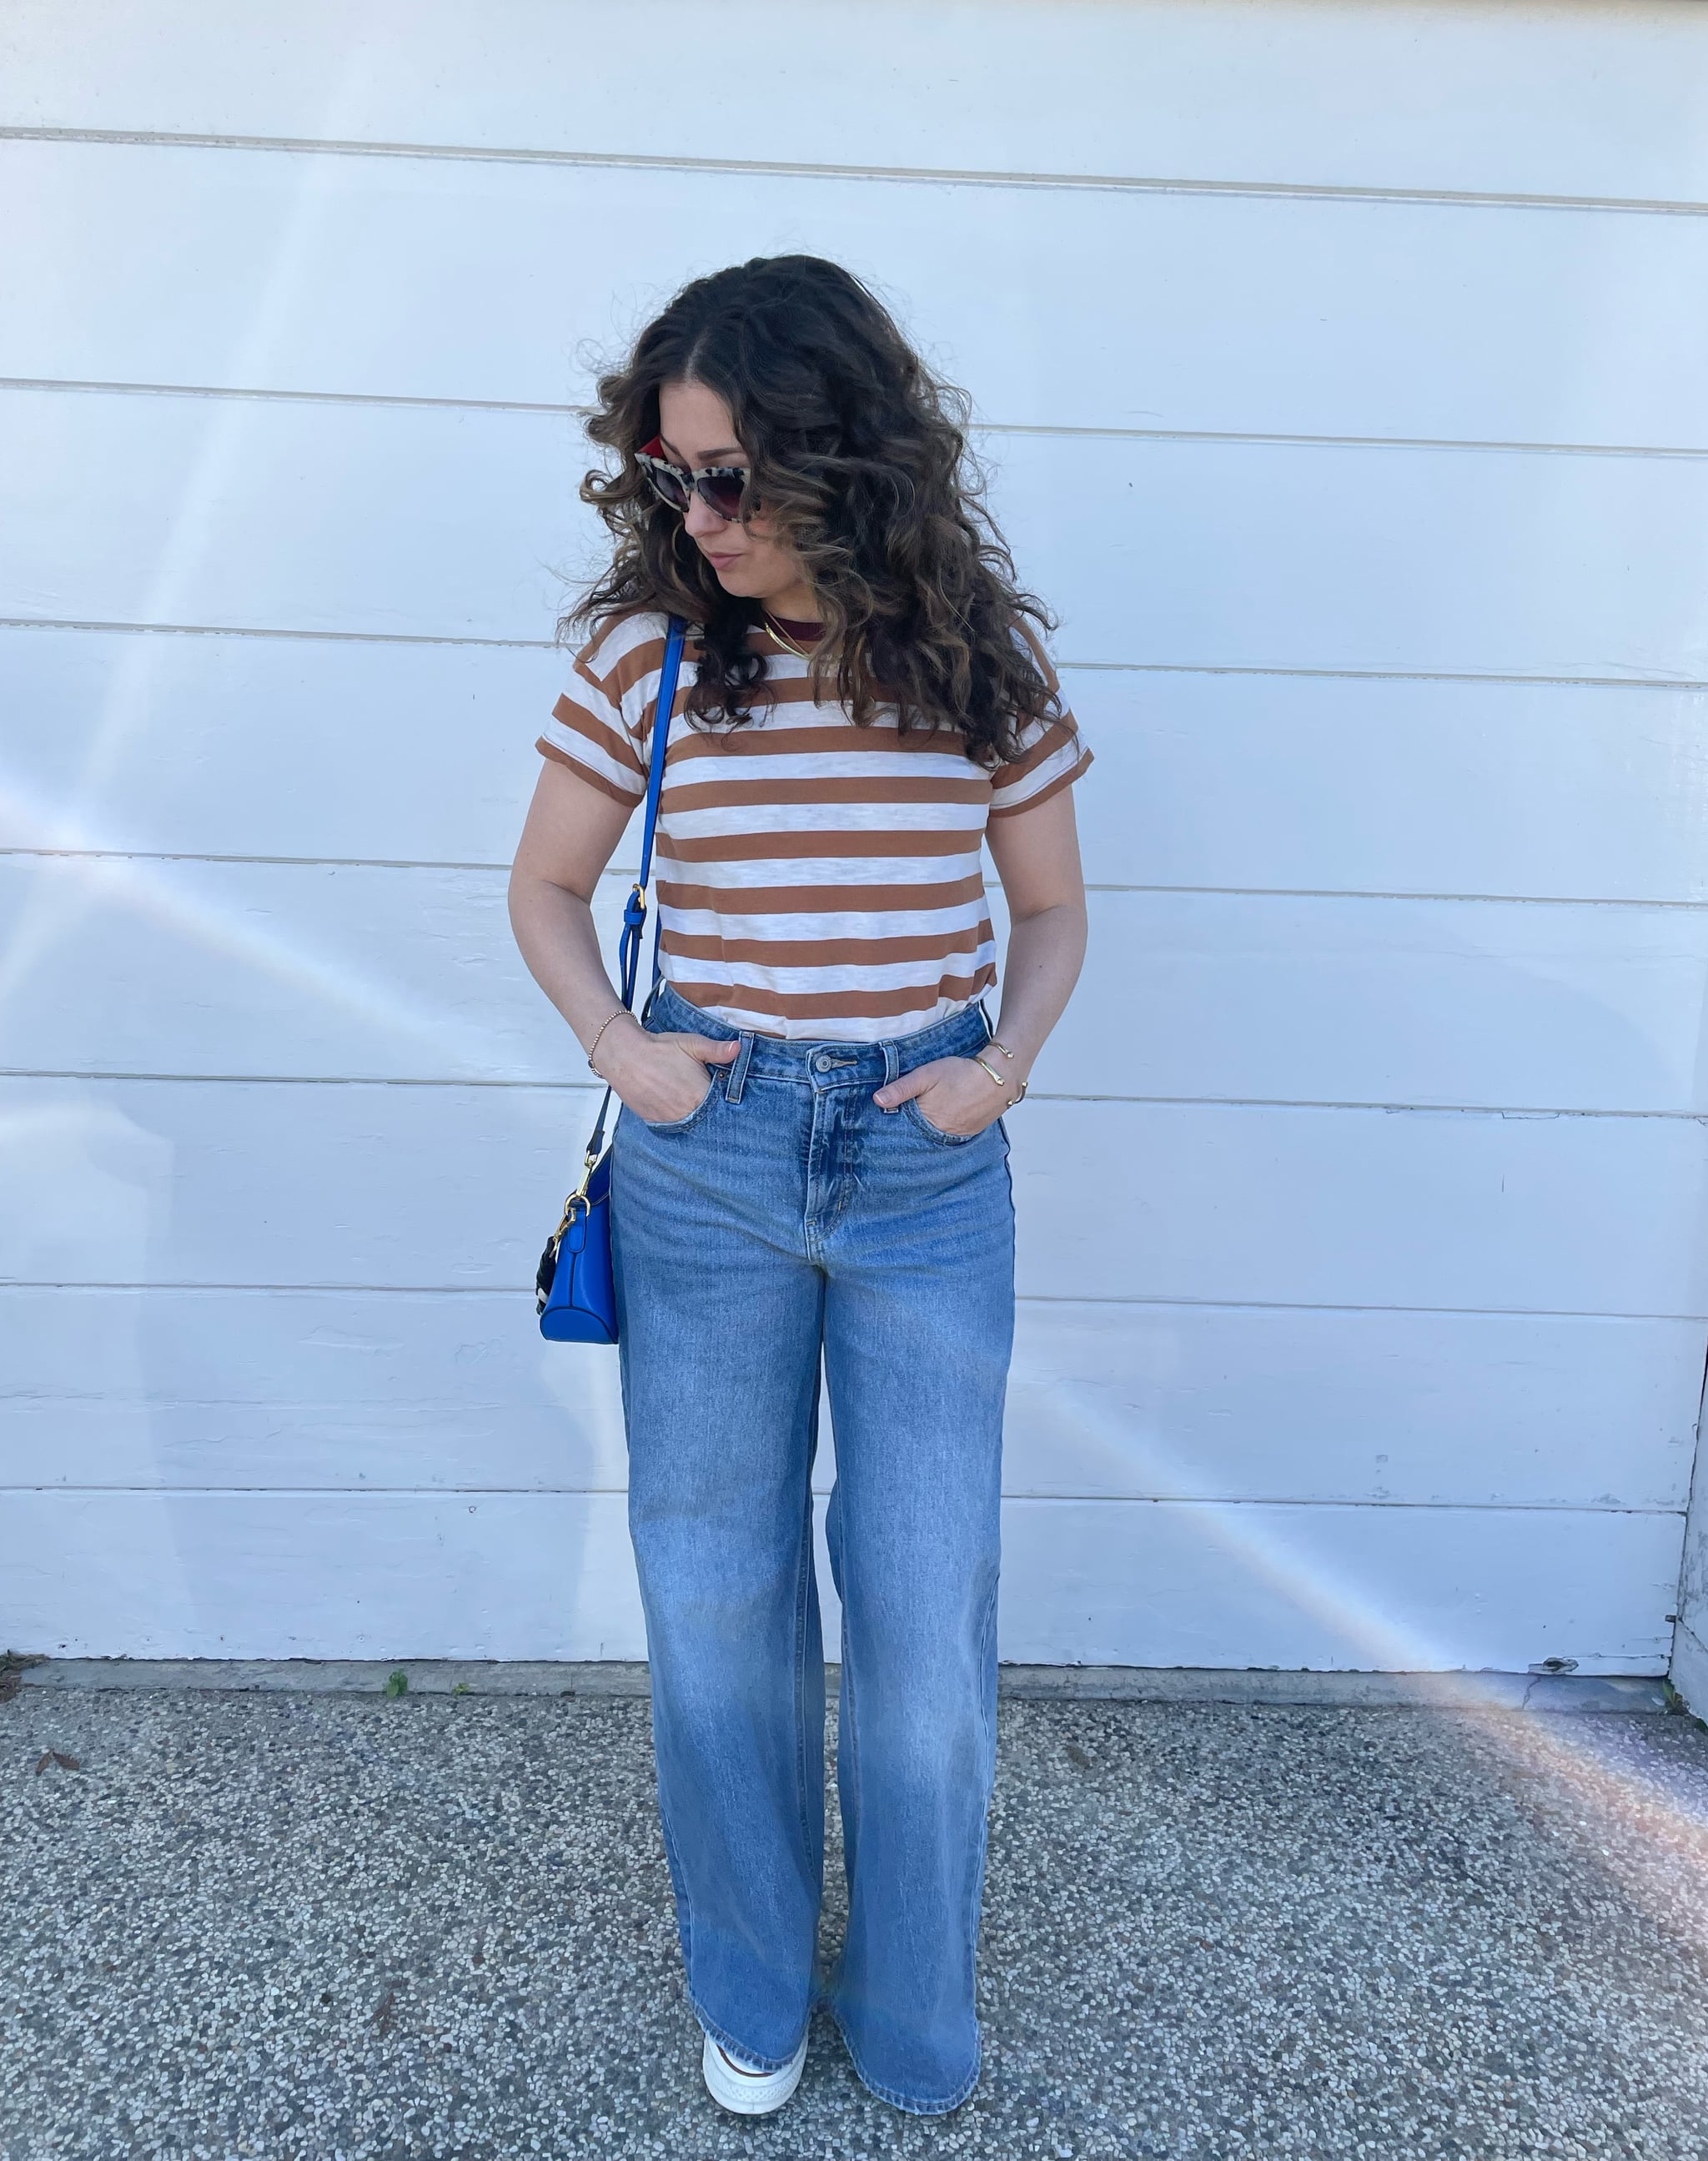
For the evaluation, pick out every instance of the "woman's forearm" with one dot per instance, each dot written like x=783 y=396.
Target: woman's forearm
x=553 y=929
x=1045 y=953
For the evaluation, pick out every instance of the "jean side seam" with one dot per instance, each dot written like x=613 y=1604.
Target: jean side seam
x=802 y=1593
x=848 y=1728
x=684 y=1916
x=971 y=1917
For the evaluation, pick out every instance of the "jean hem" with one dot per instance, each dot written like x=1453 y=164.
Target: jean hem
x=731 y=2046
x=909 y=2104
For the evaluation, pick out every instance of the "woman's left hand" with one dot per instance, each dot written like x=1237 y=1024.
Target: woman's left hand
x=955 y=1095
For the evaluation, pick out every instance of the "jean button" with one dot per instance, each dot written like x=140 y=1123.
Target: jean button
x=823 y=1062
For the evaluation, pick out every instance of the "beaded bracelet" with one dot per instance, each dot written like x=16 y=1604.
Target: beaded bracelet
x=597 y=1033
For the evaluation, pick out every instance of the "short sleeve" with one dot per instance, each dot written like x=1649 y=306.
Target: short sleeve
x=601 y=725
x=1050 y=754
x=1053 y=754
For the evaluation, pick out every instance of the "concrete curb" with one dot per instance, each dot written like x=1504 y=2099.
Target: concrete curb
x=1461 y=1691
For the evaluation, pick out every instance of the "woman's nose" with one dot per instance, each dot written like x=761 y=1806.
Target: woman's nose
x=700 y=522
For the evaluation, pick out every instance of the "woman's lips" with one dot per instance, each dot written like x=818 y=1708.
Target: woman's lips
x=719 y=562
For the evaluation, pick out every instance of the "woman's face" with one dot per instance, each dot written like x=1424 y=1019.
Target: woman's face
x=696 y=430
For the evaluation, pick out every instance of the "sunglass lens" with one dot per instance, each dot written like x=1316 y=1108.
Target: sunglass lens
x=723 y=492
x=667 y=484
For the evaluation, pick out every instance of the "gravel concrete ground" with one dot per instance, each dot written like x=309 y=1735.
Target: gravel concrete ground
x=338 y=1928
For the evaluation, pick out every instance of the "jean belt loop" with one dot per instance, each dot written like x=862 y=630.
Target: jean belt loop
x=737 y=1071
x=892 y=1063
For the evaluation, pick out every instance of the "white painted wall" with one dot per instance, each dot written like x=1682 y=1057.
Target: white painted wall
x=1342 y=365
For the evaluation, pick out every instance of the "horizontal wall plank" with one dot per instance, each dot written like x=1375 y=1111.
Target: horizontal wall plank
x=269 y=747
x=219 y=1575
x=1246 y=1403
x=293 y=971
x=244 y=1390
x=1264 y=314
x=165 y=1182
x=386 y=520
x=188 y=481
x=1302 y=1206
x=1319 y=784
x=228 y=745
x=314 y=971
x=1399 y=1590
x=1324 y=1000
x=1544 y=98
x=549 y=1576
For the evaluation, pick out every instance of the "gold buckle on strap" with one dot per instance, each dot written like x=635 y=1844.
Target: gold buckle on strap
x=577 y=1201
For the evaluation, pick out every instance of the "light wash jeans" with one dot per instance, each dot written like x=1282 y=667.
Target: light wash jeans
x=786 y=1219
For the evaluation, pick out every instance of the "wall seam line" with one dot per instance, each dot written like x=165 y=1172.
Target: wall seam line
x=531 y=409
x=1514 y=1110
x=371 y=1491
x=622 y=875
x=517 y=1291
x=99 y=626
x=900 y=176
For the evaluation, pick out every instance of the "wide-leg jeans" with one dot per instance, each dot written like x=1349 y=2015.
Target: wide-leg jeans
x=787 y=1222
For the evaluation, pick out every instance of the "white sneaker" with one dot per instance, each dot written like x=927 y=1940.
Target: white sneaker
x=734 y=2086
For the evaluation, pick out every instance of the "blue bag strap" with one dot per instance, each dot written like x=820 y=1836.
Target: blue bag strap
x=634 y=913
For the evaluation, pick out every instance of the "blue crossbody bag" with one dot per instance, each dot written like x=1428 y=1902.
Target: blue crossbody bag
x=575 y=1291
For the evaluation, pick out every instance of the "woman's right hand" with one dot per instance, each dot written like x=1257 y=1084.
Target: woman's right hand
x=661 y=1078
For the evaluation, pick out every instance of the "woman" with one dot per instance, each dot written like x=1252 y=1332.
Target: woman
x=811 y=1164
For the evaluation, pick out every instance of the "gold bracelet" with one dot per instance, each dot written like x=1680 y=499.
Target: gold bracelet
x=994 y=1045
x=597 y=1033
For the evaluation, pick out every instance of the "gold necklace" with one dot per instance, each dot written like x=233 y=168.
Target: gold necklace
x=777 y=636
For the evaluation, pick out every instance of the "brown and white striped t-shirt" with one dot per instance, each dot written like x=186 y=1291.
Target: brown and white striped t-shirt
x=814 y=878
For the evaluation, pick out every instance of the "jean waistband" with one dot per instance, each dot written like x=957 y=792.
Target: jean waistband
x=826 y=1063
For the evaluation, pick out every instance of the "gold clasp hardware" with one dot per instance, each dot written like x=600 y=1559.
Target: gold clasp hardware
x=576 y=1201
x=589 y=1162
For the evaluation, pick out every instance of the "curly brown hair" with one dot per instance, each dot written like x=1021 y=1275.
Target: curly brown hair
x=860 y=456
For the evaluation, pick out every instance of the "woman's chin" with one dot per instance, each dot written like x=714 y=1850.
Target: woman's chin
x=749 y=581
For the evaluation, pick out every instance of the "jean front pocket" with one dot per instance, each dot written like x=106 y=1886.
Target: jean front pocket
x=673 y=1126
x=935 y=1132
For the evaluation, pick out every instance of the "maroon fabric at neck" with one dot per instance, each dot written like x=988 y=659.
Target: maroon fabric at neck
x=802 y=634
